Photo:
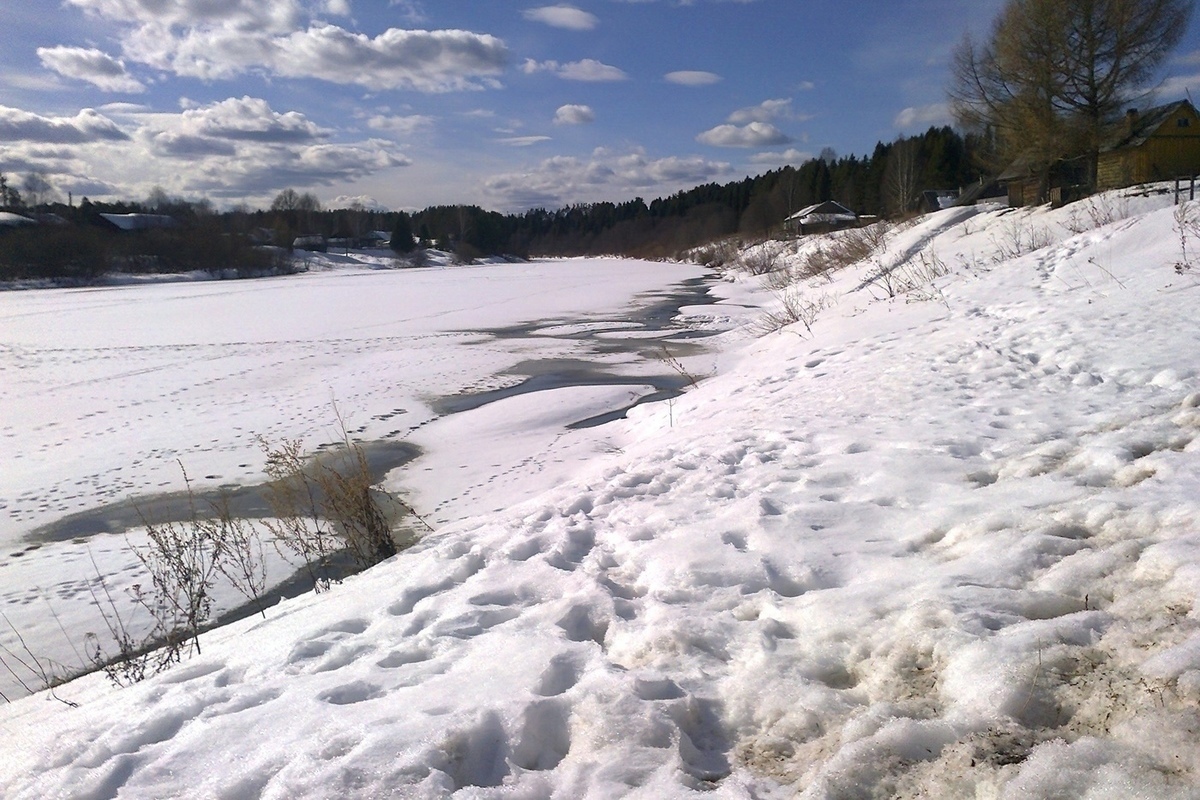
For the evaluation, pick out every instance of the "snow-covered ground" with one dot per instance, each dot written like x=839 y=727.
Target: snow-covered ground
x=944 y=544
x=108 y=394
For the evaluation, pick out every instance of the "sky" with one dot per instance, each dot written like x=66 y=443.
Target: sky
x=402 y=104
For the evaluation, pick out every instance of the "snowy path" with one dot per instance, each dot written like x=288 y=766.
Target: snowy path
x=940 y=549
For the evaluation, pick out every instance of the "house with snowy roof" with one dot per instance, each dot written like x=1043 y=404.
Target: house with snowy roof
x=821 y=217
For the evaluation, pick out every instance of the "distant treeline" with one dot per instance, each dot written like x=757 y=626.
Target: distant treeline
x=74 y=241
x=886 y=183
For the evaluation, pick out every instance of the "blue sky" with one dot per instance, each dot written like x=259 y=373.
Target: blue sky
x=507 y=105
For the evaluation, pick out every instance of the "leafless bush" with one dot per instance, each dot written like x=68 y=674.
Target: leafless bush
x=717 y=255
x=1096 y=212
x=183 y=561
x=762 y=259
x=1187 y=227
x=846 y=249
x=1018 y=238
x=794 y=307
x=325 y=508
x=911 y=276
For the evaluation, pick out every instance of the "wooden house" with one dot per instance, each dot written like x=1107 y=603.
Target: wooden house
x=821 y=217
x=1153 y=145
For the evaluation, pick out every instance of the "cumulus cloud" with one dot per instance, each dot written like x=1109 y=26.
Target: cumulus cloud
x=261 y=169
x=91 y=65
x=790 y=156
x=365 y=201
x=221 y=39
x=588 y=70
x=923 y=116
x=692 y=78
x=276 y=16
x=754 y=134
x=562 y=180
x=574 y=115
x=250 y=119
x=766 y=111
x=176 y=144
x=86 y=126
x=429 y=61
x=562 y=16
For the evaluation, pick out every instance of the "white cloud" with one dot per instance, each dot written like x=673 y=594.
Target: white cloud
x=790 y=156
x=86 y=126
x=923 y=116
x=276 y=16
x=91 y=65
x=365 y=201
x=562 y=16
x=562 y=180
x=574 y=115
x=402 y=125
x=692 y=78
x=766 y=111
x=755 y=134
x=221 y=39
x=250 y=119
x=523 y=141
x=1175 y=87
x=588 y=70
x=424 y=60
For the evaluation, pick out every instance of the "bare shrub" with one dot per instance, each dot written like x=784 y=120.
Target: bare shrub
x=325 y=508
x=794 y=307
x=762 y=259
x=846 y=249
x=1187 y=227
x=911 y=276
x=1018 y=238
x=1096 y=212
x=717 y=255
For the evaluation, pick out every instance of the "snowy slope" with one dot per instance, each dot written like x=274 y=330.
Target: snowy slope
x=945 y=545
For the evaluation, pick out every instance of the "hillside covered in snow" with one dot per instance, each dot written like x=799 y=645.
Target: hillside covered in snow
x=932 y=531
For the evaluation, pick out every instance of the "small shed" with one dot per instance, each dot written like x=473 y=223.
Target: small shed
x=936 y=200
x=821 y=217
x=1153 y=145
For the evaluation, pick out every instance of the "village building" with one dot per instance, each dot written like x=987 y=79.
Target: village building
x=821 y=218
x=1158 y=144
x=1154 y=145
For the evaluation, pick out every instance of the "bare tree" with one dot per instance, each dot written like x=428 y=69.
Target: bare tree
x=287 y=200
x=38 y=190
x=900 y=177
x=1054 y=74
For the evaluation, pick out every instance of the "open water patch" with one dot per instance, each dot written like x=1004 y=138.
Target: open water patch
x=241 y=501
x=654 y=336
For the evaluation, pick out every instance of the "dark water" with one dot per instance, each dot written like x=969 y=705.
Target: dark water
x=243 y=502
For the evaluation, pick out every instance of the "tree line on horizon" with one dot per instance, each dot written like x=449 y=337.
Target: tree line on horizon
x=883 y=183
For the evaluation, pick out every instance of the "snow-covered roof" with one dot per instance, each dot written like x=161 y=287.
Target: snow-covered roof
x=11 y=220
x=140 y=222
x=830 y=210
